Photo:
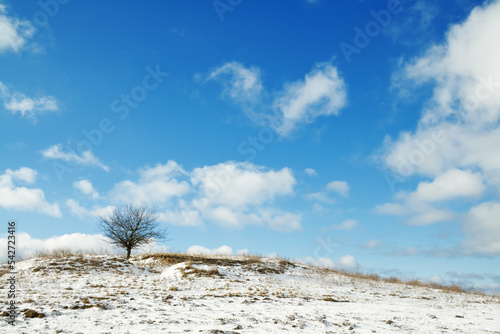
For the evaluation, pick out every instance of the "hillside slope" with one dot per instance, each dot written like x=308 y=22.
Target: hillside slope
x=182 y=294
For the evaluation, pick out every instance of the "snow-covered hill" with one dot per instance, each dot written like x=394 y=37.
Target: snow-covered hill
x=182 y=294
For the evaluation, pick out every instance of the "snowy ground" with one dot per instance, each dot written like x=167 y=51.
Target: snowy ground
x=106 y=294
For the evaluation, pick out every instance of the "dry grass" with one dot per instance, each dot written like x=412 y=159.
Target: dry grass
x=4 y=270
x=65 y=252
x=252 y=262
x=412 y=282
x=255 y=263
x=189 y=270
x=216 y=260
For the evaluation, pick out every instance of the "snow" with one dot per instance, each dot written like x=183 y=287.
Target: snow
x=174 y=271
x=107 y=294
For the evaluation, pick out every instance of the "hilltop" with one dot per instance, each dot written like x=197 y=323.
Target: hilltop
x=178 y=293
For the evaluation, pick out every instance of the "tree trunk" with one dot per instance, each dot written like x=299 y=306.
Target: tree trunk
x=128 y=252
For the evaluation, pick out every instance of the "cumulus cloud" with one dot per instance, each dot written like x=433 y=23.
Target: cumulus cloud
x=238 y=185
x=322 y=92
x=17 y=102
x=372 y=244
x=340 y=187
x=320 y=197
x=86 y=187
x=240 y=83
x=456 y=139
x=452 y=184
x=465 y=106
x=229 y=194
x=183 y=217
x=346 y=225
x=87 y=158
x=282 y=221
x=74 y=242
x=482 y=229
x=14 y=33
x=200 y=250
x=156 y=185
x=234 y=194
x=20 y=198
x=232 y=218
x=346 y=262
x=95 y=212
x=311 y=172
x=418 y=212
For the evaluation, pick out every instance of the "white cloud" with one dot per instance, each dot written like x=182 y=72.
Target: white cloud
x=14 y=33
x=183 y=217
x=17 y=102
x=412 y=28
x=232 y=218
x=242 y=252
x=447 y=186
x=233 y=194
x=340 y=187
x=320 y=196
x=86 y=187
x=311 y=172
x=230 y=194
x=452 y=184
x=465 y=106
x=482 y=229
x=457 y=137
x=321 y=262
x=420 y=212
x=372 y=244
x=30 y=106
x=240 y=83
x=321 y=93
x=95 y=212
x=14 y=197
x=200 y=250
x=282 y=221
x=239 y=185
x=320 y=209
x=346 y=225
x=346 y=262
x=156 y=185
x=87 y=158
x=74 y=242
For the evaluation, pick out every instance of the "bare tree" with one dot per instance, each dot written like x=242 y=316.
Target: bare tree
x=131 y=227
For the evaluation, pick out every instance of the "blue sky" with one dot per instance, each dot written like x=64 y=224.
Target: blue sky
x=354 y=135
